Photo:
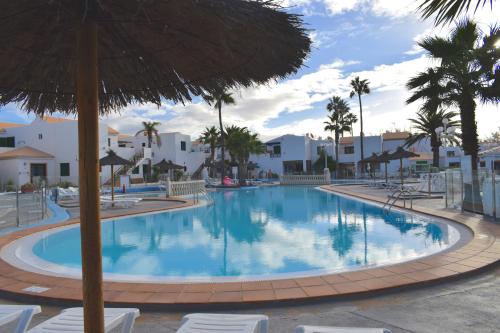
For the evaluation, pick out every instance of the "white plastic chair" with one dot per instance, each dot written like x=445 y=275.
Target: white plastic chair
x=327 y=329
x=20 y=313
x=230 y=323
x=71 y=321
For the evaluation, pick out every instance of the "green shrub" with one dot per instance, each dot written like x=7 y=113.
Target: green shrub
x=10 y=186
x=65 y=184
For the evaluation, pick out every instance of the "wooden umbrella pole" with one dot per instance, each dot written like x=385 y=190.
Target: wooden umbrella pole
x=112 y=186
x=88 y=152
x=386 y=178
x=401 y=170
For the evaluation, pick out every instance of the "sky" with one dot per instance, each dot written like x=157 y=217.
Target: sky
x=373 y=39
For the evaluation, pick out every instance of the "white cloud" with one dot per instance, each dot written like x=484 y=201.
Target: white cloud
x=384 y=108
x=392 y=8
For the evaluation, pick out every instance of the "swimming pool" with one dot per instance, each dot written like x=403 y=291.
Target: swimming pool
x=270 y=232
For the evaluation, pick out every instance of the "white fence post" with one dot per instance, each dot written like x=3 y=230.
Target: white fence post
x=168 y=187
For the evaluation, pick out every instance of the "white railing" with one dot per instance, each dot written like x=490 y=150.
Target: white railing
x=191 y=187
x=304 y=180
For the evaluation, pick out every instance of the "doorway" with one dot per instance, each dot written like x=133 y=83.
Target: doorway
x=38 y=171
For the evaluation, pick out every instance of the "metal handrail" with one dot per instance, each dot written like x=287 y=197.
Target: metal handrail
x=395 y=196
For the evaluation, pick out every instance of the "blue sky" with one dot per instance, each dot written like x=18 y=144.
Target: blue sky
x=375 y=39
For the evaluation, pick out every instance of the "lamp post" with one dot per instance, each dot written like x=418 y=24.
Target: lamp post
x=445 y=132
x=326 y=171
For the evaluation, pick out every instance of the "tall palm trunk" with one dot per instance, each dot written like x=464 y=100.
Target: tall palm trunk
x=337 y=154
x=242 y=171
x=472 y=195
x=361 y=136
x=435 y=144
x=150 y=164
x=222 y=150
x=212 y=160
x=470 y=142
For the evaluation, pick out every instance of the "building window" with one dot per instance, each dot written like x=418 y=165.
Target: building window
x=349 y=150
x=109 y=142
x=135 y=171
x=454 y=165
x=482 y=164
x=144 y=144
x=277 y=150
x=64 y=169
x=8 y=142
x=183 y=145
x=450 y=153
x=319 y=150
x=40 y=136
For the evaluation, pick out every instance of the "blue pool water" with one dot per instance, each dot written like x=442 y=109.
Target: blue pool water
x=264 y=231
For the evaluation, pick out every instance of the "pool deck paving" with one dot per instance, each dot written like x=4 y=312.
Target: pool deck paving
x=481 y=251
x=454 y=291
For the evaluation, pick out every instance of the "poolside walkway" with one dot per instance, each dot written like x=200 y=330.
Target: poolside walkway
x=466 y=305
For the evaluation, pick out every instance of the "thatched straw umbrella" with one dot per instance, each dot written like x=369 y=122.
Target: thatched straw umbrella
x=372 y=159
x=113 y=159
x=94 y=57
x=399 y=154
x=385 y=158
x=165 y=166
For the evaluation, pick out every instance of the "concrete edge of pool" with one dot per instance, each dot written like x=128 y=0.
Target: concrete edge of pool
x=481 y=251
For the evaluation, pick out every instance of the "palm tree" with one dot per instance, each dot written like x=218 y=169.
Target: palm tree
x=468 y=70
x=428 y=86
x=447 y=10
x=211 y=137
x=150 y=130
x=426 y=124
x=359 y=88
x=350 y=120
x=241 y=143
x=217 y=99
x=339 y=121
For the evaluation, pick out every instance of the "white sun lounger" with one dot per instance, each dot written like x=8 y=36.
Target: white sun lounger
x=71 y=321
x=326 y=329
x=120 y=202
x=20 y=313
x=67 y=194
x=231 y=323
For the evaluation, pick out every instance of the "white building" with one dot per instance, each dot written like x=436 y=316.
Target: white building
x=289 y=154
x=175 y=147
x=48 y=148
x=490 y=159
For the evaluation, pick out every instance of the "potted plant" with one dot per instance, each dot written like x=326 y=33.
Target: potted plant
x=27 y=188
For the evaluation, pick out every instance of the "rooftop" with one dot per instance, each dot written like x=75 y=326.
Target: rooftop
x=388 y=136
x=491 y=151
x=24 y=152
x=112 y=131
x=56 y=120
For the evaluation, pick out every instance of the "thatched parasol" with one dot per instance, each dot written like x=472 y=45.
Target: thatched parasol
x=96 y=56
x=372 y=159
x=165 y=166
x=399 y=154
x=385 y=158
x=113 y=159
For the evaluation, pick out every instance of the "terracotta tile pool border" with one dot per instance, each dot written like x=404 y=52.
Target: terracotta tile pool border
x=480 y=252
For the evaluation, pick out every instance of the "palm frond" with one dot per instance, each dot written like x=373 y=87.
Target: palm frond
x=447 y=10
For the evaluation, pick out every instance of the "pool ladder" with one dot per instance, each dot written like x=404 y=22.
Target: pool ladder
x=204 y=195
x=394 y=197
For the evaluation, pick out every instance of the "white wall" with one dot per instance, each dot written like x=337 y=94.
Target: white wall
x=18 y=170
x=61 y=141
